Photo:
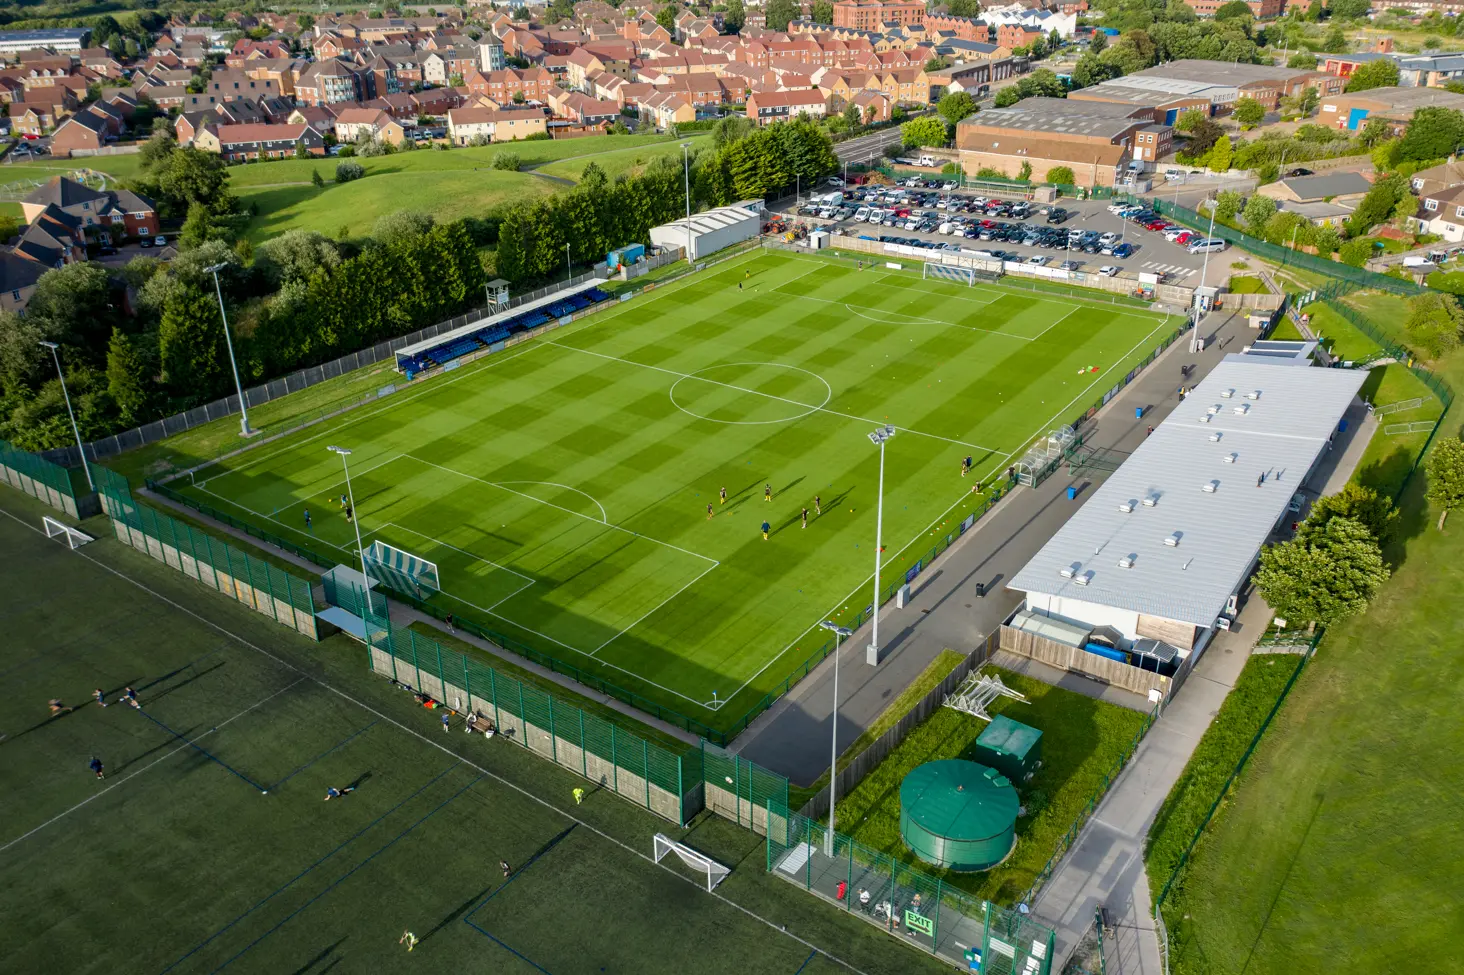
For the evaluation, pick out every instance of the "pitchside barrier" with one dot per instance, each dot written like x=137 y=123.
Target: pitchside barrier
x=273 y=592
x=41 y=479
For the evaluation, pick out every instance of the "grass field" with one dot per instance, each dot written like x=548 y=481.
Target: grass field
x=1082 y=739
x=563 y=486
x=179 y=862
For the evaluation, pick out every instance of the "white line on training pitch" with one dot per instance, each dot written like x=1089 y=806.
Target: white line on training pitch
x=654 y=609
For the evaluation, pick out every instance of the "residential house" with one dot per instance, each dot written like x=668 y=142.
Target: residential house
x=373 y=123
x=1441 y=212
x=1438 y=178
x=331 y=81
x=766 y=107
x=440 y=67
x=244 y=143
x=496 y=125
x=665 y=109
x=582 y=109
x=872 y=15
x=82 y=131
x=18 y=277
x=120 y=212
x=229 y=85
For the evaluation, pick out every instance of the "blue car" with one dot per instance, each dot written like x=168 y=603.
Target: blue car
x=1123 y=250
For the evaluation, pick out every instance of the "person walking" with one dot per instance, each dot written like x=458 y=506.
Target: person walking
x=130 y=696
x=768 y=492
x=579 y=797
x=709 y=511
x=307 y=521
x=448 y=620
x=96 y=766
x=99 y=696
x=446 y=722
x=409 y=939
x=765 y=529
x=57 y=707
x=503 y=865
x=817 y=505
x=724 y=495
x=805 y=518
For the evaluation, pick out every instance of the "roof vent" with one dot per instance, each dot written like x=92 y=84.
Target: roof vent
x=1151 y=500
x=1210 y=487
x=1173 y=540
x=1127 y=562
x=1229 y=458
x=1127 y=507
x=1253 y=394
x=1205 y=417
x=1242 y=409
x=1214 y=409
x=1083 y=579
x=1215 y=437
x=1226 y=393
x=1068 y=571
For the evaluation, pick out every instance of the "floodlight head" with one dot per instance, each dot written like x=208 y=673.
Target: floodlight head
x=217 y=267
x=50 y=345
x=889 y=432
x=343 y=451
x=842 y=631
x=876 y=439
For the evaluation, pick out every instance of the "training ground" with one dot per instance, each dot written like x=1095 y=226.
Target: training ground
x=562 y=485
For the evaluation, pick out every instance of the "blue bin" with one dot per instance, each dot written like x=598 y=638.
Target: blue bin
x=1072 y=493
x=1138 y=412
x=1342 y=427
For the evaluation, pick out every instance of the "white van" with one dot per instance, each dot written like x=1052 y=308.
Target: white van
x=1206 y=245
x=860 y=214
x=927 y=161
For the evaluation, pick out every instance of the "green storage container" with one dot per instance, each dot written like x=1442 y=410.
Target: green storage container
x=958 y=814
x=1012 y=748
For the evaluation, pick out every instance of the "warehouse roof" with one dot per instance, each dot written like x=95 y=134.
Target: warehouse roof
x=1185 y=511
x=1412 y=99
x=1059 y=116
x=1212 y=73
x=711 y=220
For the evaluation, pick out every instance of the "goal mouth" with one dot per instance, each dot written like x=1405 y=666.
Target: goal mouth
x=712 y=871
x=73 y=537
x=401 y=570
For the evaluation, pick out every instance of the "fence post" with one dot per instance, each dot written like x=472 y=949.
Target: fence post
x=493 y=692
x=412 y=642
x=614 y=759
x=523 y=717
x=584 y=759
x=467 y=683
x=441 y=677
x=646 y=769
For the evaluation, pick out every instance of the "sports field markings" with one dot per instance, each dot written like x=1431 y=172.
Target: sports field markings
x=995 y=469
x=383 y=717
x=828 y=393
x=651 y=611
x=604 y=518
x=911 y=319
x=1064 y=318
x=188 y=743
x=755 y=392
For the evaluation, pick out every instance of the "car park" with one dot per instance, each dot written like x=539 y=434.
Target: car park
x=1037 y=259
x=1123 y=250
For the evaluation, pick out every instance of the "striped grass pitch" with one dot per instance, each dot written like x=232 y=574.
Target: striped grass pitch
x=562 y=486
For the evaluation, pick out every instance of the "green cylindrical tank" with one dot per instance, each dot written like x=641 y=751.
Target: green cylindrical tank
x=958 y=814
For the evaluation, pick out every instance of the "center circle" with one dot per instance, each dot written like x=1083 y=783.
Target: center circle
x=750 y=393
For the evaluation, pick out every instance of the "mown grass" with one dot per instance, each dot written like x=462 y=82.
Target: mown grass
x=1082 y=740
x=1247 y=285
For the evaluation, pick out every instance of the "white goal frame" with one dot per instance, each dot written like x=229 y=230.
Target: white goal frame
x=949 y=272
x=714 y=872
x=391 y=565
x=74 y=539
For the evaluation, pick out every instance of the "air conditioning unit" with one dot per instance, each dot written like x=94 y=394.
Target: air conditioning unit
x=1242 y=409
x=1127 y=507
x=1127 y=562
x=1210 y=487
x=1205 y=418
x=1150 y=501
x=1083 y=579
x=1215 y=437
x=1253 y=394
x=1226 y=393
x=1173 y=540
x=1229 y=458
x=1213 y=409
x=1068 y=571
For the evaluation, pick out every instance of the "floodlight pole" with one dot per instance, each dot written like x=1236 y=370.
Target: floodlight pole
x=56 y=357
x=244 y=429
x=568 y=267
x=355 y=518
x=838 y=631
x=880 y=437
x=686 y=180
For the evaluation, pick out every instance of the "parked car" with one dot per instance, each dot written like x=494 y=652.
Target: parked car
x=160 y=241
x=1206 y=245
x=1298 y=171
x=1123 y=250
x=1037 y=259
x=1108 y=270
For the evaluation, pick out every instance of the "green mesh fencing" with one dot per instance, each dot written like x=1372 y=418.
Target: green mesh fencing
x=1282 y=255
x=740 y=790
x=283 y=597
x=904 y=900
x=41 y=479
x=646 y=774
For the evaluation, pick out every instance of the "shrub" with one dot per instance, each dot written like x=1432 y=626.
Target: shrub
x=506 y=160
x=1063 y=175
x=347 y=171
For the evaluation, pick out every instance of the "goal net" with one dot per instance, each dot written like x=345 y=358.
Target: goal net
x=401 y=570
x=73 y=538
x=949 y=272
x=704 y=865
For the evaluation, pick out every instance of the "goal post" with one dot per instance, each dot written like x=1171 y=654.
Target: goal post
x=949 y=272
x=704 y=865
x=74 y=539
x=401 y=570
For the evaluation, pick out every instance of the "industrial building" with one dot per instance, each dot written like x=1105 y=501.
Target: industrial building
x=711 y=230
x=57 y=39
x=1396 y=105
x=1096 y=139
x=1163 y=549
x=1178 y=86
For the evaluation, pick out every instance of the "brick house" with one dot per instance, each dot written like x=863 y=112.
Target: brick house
x=871 y=15
x=374 y=123
x=466 y=124
x=767 y=107
x=242 y=143
x=115 y=210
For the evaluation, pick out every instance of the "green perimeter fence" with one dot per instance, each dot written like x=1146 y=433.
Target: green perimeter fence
x=1281 y=255
x=41 y=479
x=285 y=598
x=967 y=931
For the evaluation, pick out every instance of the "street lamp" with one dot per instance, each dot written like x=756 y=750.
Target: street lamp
x=839 y=632
x=568 y=267
x=686 y=179
x=244 y=429
x=881 y=436
x=355 y=518
x=56 y=357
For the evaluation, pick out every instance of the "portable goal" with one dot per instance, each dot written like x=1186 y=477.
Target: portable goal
x=401 y=570
x=704 y=865
x=74 y=539
x=950 y=272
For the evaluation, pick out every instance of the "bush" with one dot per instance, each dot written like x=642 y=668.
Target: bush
x=347 y=171
x=538 y=137
x=1063 y=175
x=506 y=160
x=1355 y=252
x=346 y=151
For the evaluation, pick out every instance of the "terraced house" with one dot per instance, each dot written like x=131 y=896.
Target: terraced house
x=240 y=143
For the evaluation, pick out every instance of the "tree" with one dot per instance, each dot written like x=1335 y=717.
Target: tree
x=1248 y=112
x=1374 y=132
x=1348 y=9
x=1189 y=120
x=295 y=256
x=735 y=16
x=1220 y=156
x=191 y=343
x=1302 y=60
x=1385 y=197
x=1434 y=323
x=72 y=305
x=509 y=161
x=1228 y=204
x=1062 y=175
x=963 y=8
x=1234 y=10
x=1258 y=212
x=196 y=229
x=956 y=106
x=1382 y=73
x=1326 y=577
x=1362 y=504
x=157 y=149
x=778 y=13
x=1327 y=240
x=392 y=229
x=347 y=171
x=1434 y=133
x=1445 y=468
x=928 y=130
x=1025 y=173
x=822 y=11
x=666 y=17
x=1335 y=40
x=129 y=380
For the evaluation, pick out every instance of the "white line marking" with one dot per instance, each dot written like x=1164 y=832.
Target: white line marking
x=163 y=758
x=604 y=518
x=828 y=393
x=1055 y=324
x=462 y=551
x=652 y=610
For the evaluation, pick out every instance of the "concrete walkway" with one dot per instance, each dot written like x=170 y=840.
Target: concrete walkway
x=792 y=737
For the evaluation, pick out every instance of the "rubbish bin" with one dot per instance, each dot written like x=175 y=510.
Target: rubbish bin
x=1138 y=412
x=1342 y=427
x=1072 y=493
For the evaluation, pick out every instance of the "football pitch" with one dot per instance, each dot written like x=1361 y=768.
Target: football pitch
x=207 y=846
x=569 y=488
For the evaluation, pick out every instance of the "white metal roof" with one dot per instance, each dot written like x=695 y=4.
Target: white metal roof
x=1201 y=479
x=407 y=351
x=712 y=220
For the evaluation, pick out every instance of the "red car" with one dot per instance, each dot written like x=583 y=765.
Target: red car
x=1184 y=239
x=1155 y=225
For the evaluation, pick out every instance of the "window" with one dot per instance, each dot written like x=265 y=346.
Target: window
x=15 y=295
x=1459 y=211
x=1430 y=204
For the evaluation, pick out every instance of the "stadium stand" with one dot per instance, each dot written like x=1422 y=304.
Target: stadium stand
x=461 y=345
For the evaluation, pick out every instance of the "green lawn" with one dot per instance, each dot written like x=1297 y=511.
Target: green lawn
x=562 y=486
x=1247 y=285
x=179 y=862
x=628 y=160
x=1082 y=740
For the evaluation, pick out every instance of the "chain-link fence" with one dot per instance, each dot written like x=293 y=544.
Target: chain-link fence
x=648 y=775
x=274 y=592
x=41 y=479
x=970 y=932
x=739 y=790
